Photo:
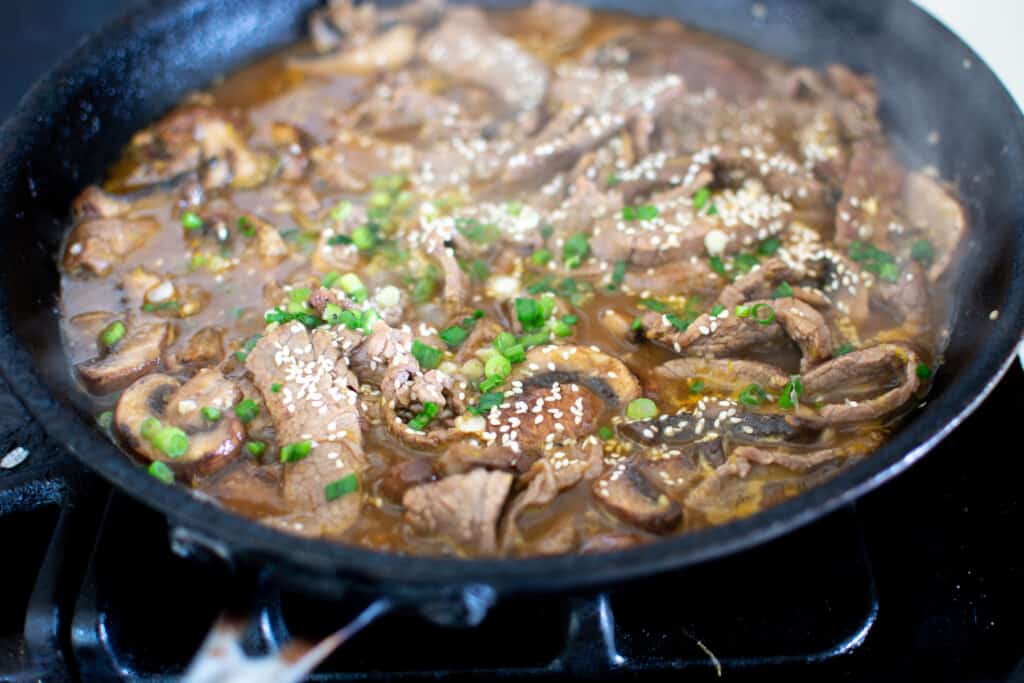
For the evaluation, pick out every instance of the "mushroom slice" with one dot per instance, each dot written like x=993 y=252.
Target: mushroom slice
x=721 y=418
x=205 y=346
x=630 y=496
x=134 y=356
x=602 y=374
x=96 y=245
x=212 y=444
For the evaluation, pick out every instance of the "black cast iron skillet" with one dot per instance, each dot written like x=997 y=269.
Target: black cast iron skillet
x=73 y=123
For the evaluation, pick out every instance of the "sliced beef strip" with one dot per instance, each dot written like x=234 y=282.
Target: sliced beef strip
x=722 y=374
x=689 y=276
x=95 y=245
x=727 y=334
x=871 y=194
x=469 y=454
x=610 y=104
x=685 y=173
x=675 y=233
x=585 y=204
x=462 y=509
x=137 y=354
x=871 y=366
x=761 y=282
x=402 y=476
x=466 y=48
x=435 y=242
x=317 y=403
x=549 y=476
x=779 y=172
x=797 y=461
x=933 y=210
x=907 y=298
x=627 y=493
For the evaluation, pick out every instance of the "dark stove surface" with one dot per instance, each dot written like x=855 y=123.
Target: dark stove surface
x=921 y=580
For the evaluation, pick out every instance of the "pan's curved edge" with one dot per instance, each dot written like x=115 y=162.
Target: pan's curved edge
x=309 y=559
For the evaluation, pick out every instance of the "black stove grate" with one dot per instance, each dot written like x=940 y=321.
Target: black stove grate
x=920 y=581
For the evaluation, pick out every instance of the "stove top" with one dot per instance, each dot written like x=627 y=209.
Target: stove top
x=919 y=580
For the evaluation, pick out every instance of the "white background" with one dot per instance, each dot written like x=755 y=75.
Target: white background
x=994 y=29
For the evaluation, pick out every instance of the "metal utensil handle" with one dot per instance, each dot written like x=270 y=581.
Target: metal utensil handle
x=221 y=658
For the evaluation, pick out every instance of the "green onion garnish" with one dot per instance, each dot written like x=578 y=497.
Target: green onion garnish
x=923 y=371
x=575 y=250
x=423 y=418
x=641 y=409
x=453 y=336
x=491 y=383
x=842 y=350
x=783 y=290
x=769 y=246
x=618 y=275
x=171 y=441
x=498 y=366
x=606 y=433
x=700 y=198
x=105 y=419
x=112 y=333
x=791 y=393
x=209 y=413
x=330 y=279
x=537 y=338
x=541 y=257
x=487 y=401
x=275 y=387
x=611 y=181
x=364 y=237
x=190 y=220
x=247 y=410
x=427 y=356
x=922 y=251
x=744 y=262
x=245 y=226
x=161 y=471
x=717 y=265
x=716 y=309
x=763 y=314
x=743 y=311
x=342 y=487
x=255 y=448
x=753 y=395
x=295 y=452
x=696 y=386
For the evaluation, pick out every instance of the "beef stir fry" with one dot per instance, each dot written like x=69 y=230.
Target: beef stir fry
x=452 y=281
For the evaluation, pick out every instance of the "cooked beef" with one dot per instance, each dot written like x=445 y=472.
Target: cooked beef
x=388 y=50
x=875 y=366
x=676 y=473
x=798 y=461
x=95 y=245
x=721 y=375
x=627 y=493
x=692 y=275
x=402 y=476
x=724 y=335
x=205 y=347
x=467 y=455
x=462 y=509
x=934 y=211
x=316 y=402
x=907 y=298
x=871 y=193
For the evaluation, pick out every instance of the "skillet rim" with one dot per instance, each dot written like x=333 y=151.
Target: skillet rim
x=247 y=540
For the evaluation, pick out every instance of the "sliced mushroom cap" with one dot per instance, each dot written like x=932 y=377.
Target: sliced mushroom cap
x=604 y=375
x=135 y=355
x=720 y=418
x=677 y=474
x=546 y=415
x=212 y=444
x=206 y=346
x=631 y=497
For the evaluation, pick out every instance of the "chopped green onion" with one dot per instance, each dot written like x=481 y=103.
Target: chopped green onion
x=515 y=353
x=492 y=382
x=299 y=295
x=529 y=313
x=149 y=428
x=161 y=471
x=889 y=272
x=637 y=325
x=105 y=419
x=209 y=413
x=247 y=348
x=769 y=246
x=570 y=319
x=336 y=240
x=537 y=338
x=783 y=290
x=275 y=387
x=700 y=198
x=654 y=305
x=641 y=409
x=696 y=386
x=611 y=181
x=504 y=340
x=922 y=251
x=162 y=306
x=716 y=309
x=562 y=329
x=499 y=366
x=744 y=262
x=791 y=393
x=350 y=284
x=488 y=400
x=513 y=208
x=743 y=311
x=427 y=356
x=479 y=270
x=424 y=289
x=246 y=227
x=547 y=306
x=647 y=212
x=341 y=487
x=332 y=313
x=255 y=448
x=423 y=418
x=629 y=213
x=453 y=336
x=842 y=350
x=575 y=249
x=112 y=333
x=541 y=257
x=680 y=323
x=197 y=261
x=717 y=265
x=171 y=441
x=618 y=275
x=364 y=238
x=247 y=410
x=341 y=210
x=330 y=279
x=295 y=452
x=190 y=220
x=713 y=211
x=475 y=231
x=606 y=433
x=546 y=231
x=923 y=371
x=753 y=395
x=763 y=314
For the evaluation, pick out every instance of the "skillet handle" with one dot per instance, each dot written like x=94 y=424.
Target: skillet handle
x=222 y=658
